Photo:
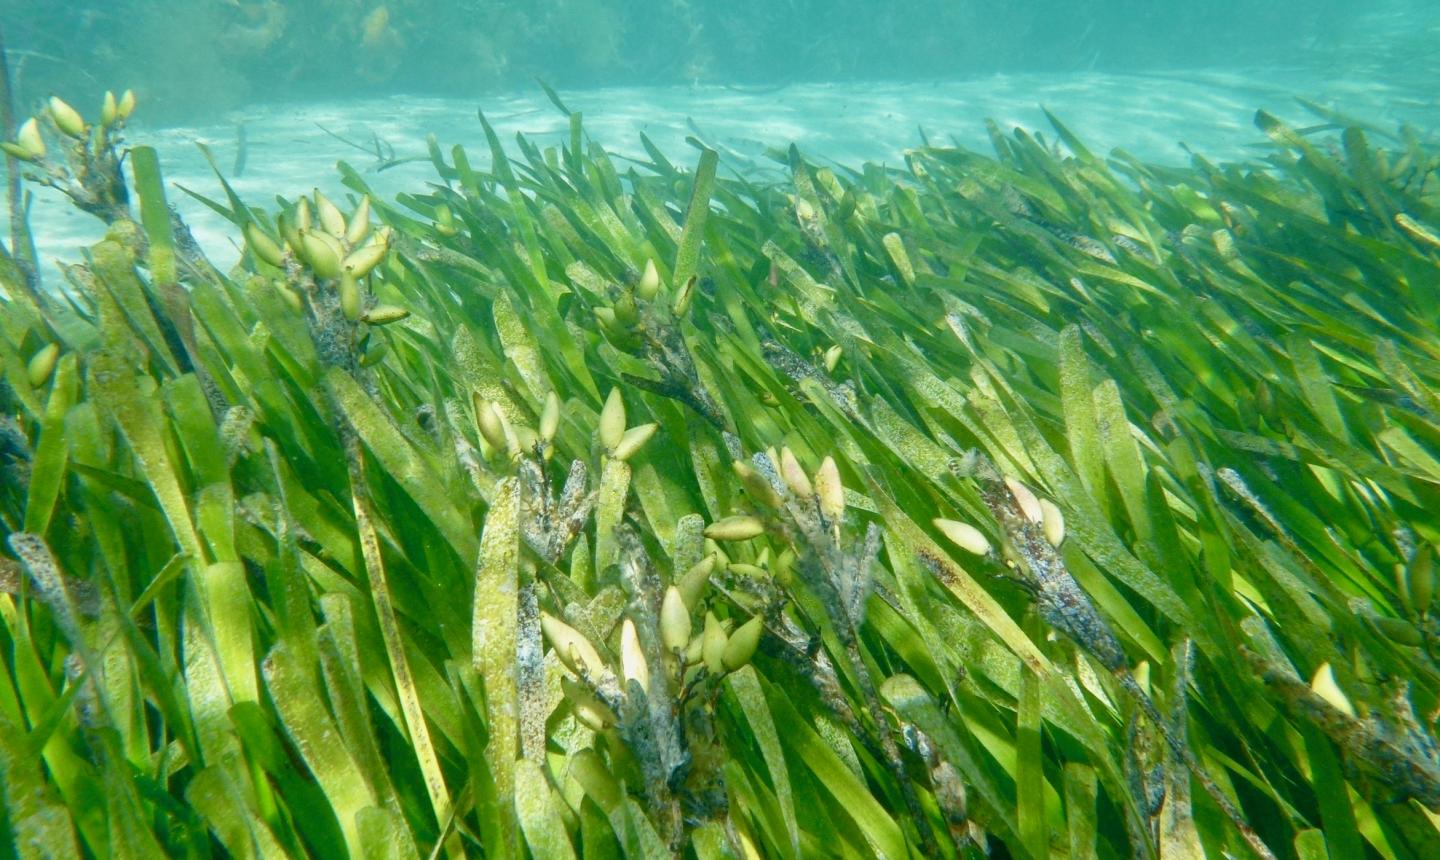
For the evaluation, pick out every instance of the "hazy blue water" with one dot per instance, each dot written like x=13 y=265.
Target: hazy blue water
x=847 y=79
x=193 y=58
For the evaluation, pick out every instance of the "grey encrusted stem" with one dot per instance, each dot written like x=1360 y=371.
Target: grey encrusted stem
x=670 y=356
x=1397 y=754
x=798 y=369
x=843 y=581
x=1065 y=606
x=649 y=721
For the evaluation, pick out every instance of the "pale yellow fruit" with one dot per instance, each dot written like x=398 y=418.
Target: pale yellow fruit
x=332 y=220
x=1053 y=520
x=649 y=285
x=492 y=428
x=359 y=223
x=612 y=421
x=829 y=490
x=109 y=110
x=66 y=118
x=693 y=583
x=550 y=417
x=349 y=296
x=964 y=535
x=742 y=527
x=794 y=475
x=674 y=620
x=384 y=314
x=1325 y=686
x=588 y=707
x=363 y=259
x=322 y=252
x=633 y=440
x=742 y=644
x=573 y=649
x=42 y=364
x=262 y=246
x=633 y=666
x=29 y=138
x=1029 y=504
x=712 y=649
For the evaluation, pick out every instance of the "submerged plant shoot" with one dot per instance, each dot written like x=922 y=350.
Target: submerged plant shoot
x=1029 y=502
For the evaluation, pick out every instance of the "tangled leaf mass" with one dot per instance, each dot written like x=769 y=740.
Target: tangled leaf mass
x=991 y=505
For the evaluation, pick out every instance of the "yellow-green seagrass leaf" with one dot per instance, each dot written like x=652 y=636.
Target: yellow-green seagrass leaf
x=687 y=255
x=47 y=469
x=196 y=430
x=338 y=652
x=1081 y=428
x=154 y=212
x=1122 y=454
x=638 y=833
x=609 y=511
x=207 y=693
x=300 y=705
x=228 y=604
x=414 y=470
x=406 y=686
x=1311 y=845
x=520 y=348
x=125 y=309
x=538 y=809
x=661 y=498
x=114 y=385
x=1030 y=787
x=1337 y=813
x=385 y=834
x=494 y=634
x=882 y=834
x=1080 y=795
x=957 y=579
x=1412 y=452
x=710 y=843
x=745 y=685
x=215 y=795
x=1315 y=386
x=1097 y=537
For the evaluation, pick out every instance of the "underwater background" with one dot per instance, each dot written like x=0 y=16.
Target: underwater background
x=720 y=430
x=195 y=58
x=285 y=87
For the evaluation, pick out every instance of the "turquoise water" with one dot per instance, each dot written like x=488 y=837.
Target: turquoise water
x=195 y=58
x=281 y=89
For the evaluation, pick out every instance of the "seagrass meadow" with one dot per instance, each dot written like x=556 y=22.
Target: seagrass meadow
x=1024 y=504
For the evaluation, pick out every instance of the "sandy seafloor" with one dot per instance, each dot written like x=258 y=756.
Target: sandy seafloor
x=290 y=152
